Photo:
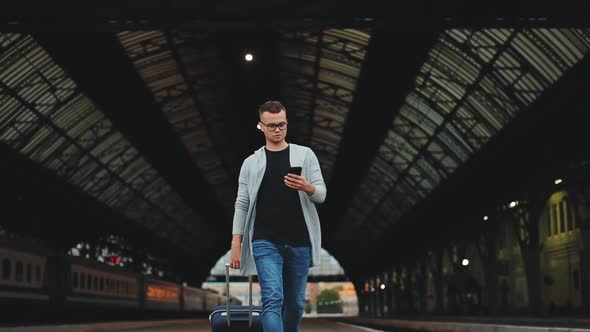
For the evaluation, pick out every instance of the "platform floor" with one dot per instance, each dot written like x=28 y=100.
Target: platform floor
x=193 y=325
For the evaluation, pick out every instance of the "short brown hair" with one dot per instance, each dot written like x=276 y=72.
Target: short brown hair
x=271 y=106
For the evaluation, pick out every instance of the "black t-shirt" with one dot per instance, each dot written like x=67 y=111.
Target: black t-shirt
x=279 y=216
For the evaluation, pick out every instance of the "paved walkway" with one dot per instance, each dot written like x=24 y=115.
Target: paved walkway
x=193 y=325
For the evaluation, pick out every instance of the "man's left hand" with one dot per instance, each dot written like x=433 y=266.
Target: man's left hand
x=300 y=183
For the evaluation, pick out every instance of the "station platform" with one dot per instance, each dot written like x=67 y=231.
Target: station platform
x=473 y=323
x=181 y=325
x=340 y=324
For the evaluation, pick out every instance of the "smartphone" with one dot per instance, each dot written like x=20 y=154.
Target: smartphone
x=295 y=170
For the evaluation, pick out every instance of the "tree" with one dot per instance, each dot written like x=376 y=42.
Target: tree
x=524 y=216
x=329 y=301
x=437 y=276
x=487 y=250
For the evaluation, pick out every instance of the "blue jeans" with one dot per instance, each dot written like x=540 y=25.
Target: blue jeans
x=282 y=273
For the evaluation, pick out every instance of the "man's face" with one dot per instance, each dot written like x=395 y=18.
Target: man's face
x=268 y=118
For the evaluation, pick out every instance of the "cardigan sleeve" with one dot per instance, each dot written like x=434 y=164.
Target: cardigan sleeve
x=316 y=178
x=242 y=201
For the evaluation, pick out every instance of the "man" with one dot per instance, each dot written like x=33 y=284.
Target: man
x=276 y=229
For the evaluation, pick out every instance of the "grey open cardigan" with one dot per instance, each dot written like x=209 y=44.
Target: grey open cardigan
x=251 y=175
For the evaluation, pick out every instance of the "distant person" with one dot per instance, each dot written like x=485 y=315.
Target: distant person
x=276 y=228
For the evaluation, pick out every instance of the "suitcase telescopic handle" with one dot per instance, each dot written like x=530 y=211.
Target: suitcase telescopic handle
x=228 y=320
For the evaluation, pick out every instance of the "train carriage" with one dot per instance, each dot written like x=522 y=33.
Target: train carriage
x=161 y=295
x=41 y=280
x=101 y=285
x=194 y=299
x=22 y=274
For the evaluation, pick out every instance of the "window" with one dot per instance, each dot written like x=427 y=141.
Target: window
x=549 y=230
x=117 y=285
x=6 y=269
x=82 y=280
x=89 y=282
x=101 y=283
x=19 y=271
x=561 y=217
x=95 y=283
x=38 y=273
x=554 y=219
x=570 y=216
x=29 y=273
x=75 y=280
x=561 y=213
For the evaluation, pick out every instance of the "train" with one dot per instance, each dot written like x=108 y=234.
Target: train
x=35 y=278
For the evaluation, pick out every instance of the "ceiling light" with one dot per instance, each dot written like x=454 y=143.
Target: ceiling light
x=485 y=218
x=249 y=57
x=557 y=181
x=465 y=262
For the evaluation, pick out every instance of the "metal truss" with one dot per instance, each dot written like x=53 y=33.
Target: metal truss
x=171 y=65
x=460 y=101
x=320 y=70
x=48 y=119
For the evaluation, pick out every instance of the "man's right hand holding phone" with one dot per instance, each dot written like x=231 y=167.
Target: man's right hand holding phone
x=294 y=179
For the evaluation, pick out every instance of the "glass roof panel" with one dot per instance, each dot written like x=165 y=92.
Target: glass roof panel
x=47 y=118
x=473 y=83
x=323 y=66
x=170 y=63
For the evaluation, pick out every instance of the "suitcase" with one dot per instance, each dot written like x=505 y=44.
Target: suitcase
x=236 y=317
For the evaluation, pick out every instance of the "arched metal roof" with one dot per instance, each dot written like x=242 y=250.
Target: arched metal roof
x=179 y=69
x=46 y=117
x=472 y=84
x=319 y=72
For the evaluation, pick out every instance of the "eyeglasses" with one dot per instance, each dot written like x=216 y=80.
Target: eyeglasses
x=273 y=126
